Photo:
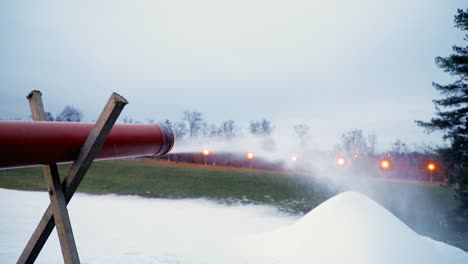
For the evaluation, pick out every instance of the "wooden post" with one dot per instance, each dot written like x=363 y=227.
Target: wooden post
x=37 y=108
x=61 y=193
x=54 y=188
x=60 y=213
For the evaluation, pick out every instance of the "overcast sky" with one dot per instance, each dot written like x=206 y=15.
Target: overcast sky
x=333 y=64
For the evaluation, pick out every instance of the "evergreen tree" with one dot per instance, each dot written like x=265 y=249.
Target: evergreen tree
x=452 y=117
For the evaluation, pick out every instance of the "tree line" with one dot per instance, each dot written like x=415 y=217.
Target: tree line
x=193 y=126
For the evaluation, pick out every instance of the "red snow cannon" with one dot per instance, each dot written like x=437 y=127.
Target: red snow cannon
x=34 y=143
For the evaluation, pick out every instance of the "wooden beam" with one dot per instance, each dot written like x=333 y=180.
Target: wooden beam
x=76 y=173
x=31 y=252
x=60 y=213
x=35 y=103
x=54 y=187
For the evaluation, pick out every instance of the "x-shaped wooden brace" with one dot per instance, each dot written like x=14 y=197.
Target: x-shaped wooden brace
x=61 y=193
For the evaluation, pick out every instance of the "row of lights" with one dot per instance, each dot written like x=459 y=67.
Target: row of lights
x=249 y=155
x=385 y=164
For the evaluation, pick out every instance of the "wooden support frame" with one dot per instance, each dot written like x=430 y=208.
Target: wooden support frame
x=60 y=194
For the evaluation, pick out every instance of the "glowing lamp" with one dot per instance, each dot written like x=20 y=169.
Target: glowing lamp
x=341 y=161
x=206 y=152
x=250 y=155
x=385 y=164
x=431 y=166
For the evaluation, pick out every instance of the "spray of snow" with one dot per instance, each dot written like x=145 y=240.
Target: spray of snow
x=273 y=147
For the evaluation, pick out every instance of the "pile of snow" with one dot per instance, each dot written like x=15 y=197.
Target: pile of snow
x=350 y=228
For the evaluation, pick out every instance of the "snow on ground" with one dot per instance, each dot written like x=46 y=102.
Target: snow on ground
x=348 y=228
x=129 y=229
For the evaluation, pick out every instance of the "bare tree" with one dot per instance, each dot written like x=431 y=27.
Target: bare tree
x=214 y=130
x=49 y=116
x=180 y=130
x=194 y=120
x=424 y=148
x=372 y=143
x=262 y=127
x=70 y=114
x=205 y=129
x=353 y=142
x=129 y=120
x=228 y=129
x=399 y=148
x=17 y=118
x=168 y=123
x=303 y=133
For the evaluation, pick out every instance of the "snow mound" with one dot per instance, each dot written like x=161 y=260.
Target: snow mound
x=350 y=228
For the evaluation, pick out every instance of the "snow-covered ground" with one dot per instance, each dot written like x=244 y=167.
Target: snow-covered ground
x=129 y=229
x=348 y=228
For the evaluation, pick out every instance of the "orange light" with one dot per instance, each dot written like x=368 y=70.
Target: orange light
x=431 y=166
x=385 y=164
x=206 y=152
x=294 y=158
x=250 y=155
x=341 y=161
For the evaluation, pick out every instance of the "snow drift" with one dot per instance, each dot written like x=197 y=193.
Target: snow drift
x=350 y=228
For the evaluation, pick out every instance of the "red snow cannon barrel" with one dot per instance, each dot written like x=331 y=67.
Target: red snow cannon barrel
x=35 y=143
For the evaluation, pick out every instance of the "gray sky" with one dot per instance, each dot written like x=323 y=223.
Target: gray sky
x=333 y=64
